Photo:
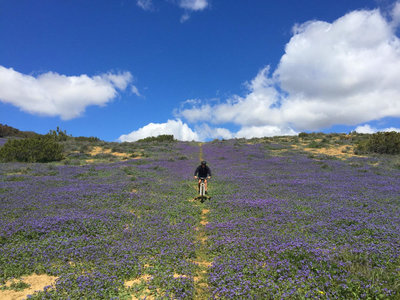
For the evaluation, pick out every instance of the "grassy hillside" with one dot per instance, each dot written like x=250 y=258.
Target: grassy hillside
x=290 y=217
x=8 y=131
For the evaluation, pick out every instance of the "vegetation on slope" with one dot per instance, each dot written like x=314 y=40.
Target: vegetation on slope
x=8 y=131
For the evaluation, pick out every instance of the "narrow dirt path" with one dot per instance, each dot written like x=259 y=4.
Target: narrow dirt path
x=202 y=259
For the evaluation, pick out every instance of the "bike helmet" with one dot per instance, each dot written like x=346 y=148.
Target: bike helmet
x=203 y=162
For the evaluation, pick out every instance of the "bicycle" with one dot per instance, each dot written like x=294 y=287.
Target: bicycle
x=202 y=189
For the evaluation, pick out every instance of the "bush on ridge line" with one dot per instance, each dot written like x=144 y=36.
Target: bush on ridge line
x=380 y=142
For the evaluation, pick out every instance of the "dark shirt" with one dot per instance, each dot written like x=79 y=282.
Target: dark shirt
x=202 y=172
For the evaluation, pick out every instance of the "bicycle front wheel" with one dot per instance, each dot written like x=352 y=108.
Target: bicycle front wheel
x=202 y=189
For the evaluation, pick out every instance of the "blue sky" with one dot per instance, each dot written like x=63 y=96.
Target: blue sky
x=199 y=69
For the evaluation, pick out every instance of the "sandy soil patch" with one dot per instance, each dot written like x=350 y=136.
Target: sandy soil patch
x=146 y=294
x=137 y=281
x=179 y=276
x=36 y=282
x=203 y=240
x=203 y=263
x=147 y=297
x=100 y=150
x=204 y=221
x=343 y=151
x=337 y=151
x=14 y=173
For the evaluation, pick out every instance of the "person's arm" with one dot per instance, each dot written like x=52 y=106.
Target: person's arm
x=196 y=172
x=209 y=172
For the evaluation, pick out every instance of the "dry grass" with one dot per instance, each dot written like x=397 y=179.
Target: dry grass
x=35 y=282
x=120 y=155
x=100 y=150
x=342 y=151
x=146 y=293
x=144 y=278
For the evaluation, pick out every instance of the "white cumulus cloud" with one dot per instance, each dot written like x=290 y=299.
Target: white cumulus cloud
x=369 y=129
x=346 y=72
x=396 y=14
x=177 y=128
x=53 y=94
x=365 y=129
x=205 y=132
x=263 y=131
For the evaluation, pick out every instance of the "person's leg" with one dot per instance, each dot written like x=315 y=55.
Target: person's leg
x=199 y=185
x=205 y=184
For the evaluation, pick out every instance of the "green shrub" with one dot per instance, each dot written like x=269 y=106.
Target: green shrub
x=315 y=144
x=303 y=135
x=160 y=138
x=58 y=135
x=380 y=142
x=19 y=286
x=312 y=135
x=84 y=148
x=91 y=139
x=78 y=156
x=118 y=148
x=361 y=148
x=72 y=162
x=35 y=149
x=107 y=156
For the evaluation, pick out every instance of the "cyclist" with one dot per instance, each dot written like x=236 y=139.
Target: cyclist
x=203 y=171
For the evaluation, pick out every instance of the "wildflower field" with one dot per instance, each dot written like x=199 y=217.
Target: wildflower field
x=282 y=223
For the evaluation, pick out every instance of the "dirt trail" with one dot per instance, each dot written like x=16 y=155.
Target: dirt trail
x=202 y=259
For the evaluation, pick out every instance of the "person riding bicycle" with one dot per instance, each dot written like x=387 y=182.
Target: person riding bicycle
x=203 y=171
